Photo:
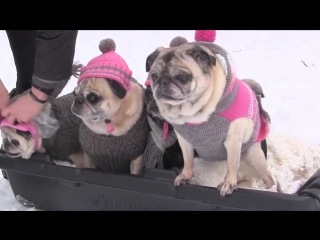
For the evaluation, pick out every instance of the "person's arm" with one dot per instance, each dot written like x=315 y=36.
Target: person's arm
x=4 y=97
x=53 y=60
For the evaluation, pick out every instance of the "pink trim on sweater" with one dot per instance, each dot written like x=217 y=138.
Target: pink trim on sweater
x=228 y=92
x=246 y=105
x=165 y=131
x=25 y=127
x=241 y=106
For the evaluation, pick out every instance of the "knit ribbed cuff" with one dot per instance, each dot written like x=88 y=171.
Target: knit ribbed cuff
x=47 y=86
x=43 y=90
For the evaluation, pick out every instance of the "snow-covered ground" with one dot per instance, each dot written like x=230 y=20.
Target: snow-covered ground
x=286 y=63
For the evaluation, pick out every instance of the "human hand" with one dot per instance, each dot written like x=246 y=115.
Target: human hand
x=4 y=98
x=24 y=109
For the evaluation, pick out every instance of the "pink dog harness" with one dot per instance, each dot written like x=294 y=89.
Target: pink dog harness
x=25 y=127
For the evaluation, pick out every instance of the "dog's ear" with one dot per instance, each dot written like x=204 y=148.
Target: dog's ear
x=46 y=124
x=203 y=58
x=117 y=89
x=150 y=60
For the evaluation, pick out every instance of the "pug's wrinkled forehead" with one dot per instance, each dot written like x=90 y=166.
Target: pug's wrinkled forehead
x=181 y=58
x=163 y=58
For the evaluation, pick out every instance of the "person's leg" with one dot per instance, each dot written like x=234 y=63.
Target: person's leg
x=23 y=46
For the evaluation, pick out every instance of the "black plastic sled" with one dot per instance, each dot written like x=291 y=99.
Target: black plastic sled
x=42 y=184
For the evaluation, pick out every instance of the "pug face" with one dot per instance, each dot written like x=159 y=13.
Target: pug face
x=181 y=74
x=97 y=99
x=17 y=143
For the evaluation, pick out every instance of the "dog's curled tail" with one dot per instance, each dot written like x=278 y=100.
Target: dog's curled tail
x=76 y=68
x=256 y=87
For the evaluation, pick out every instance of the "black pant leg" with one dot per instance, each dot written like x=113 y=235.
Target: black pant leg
x=23 y=46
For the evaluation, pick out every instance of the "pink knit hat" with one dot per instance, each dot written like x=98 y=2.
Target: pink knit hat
x=108 y=65
x=200 y=36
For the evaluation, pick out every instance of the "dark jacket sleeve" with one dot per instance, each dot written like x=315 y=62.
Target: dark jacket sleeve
x=55 y=51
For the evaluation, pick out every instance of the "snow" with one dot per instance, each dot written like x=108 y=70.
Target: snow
x=286 y=63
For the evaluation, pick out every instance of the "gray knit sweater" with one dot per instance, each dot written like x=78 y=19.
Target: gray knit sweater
x=207 y=138
x=65 y=141
x=156 y=145
x=114 y=153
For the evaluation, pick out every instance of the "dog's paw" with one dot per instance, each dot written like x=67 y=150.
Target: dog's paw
x=183 y=178
x=295 y=186
x=228 y=185
x=42 y=150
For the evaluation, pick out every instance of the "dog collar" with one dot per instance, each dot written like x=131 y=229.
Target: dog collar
x=25 y=127
x=110 y=127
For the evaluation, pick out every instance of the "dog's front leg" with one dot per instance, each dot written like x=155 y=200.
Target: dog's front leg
x=188 y=157
x=88 y=163
x=233 y=143
x=136 y=165
x=29 y=152
x=41 y=150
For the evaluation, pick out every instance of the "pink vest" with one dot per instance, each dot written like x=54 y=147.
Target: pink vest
x=208 y=137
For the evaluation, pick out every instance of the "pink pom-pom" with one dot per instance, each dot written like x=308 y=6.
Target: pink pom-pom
x=205 y=35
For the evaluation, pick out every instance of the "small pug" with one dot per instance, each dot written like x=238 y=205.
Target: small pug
x=101 y=102
x=54 y=131
x=114 y=129
x=212 y=111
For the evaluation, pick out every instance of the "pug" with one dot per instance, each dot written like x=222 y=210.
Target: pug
x=212 y=111
x=163 y=150
x=54 y=131
x=114 y=128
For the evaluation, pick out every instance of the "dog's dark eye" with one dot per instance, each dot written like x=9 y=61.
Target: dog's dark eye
x=183 y=77
x=24 y=134
x=92 y=98
x=154 y=76
x=15 y=142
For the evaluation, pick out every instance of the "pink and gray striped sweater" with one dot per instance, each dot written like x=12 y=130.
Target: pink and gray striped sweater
x=238 y=101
